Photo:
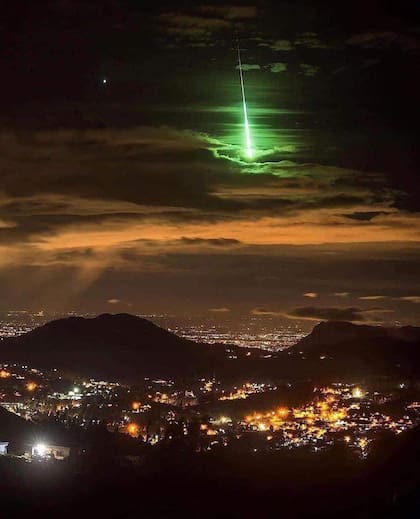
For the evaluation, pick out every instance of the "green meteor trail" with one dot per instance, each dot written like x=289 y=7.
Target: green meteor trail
x=249 y=150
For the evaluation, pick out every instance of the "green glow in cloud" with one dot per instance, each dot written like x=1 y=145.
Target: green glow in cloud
x=249 y=150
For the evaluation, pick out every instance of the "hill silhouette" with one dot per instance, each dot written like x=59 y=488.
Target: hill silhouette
x=364 y=348
x=115 y=345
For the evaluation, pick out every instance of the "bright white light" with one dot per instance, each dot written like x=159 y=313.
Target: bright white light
x=40 y=449
x=104 y=81
x=76 y=389
x=357 y=393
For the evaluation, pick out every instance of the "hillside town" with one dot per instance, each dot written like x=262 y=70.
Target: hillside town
x=205 y=412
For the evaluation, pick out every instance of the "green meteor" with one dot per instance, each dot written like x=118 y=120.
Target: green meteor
x=249 y=150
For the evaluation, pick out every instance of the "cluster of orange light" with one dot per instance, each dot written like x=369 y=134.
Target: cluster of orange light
x=136 y=406
x=240 y=393
x=273 y=419
x=31 y=386
x=325 y=411
x=4 y=374
x=356 y=392
x=237 y=395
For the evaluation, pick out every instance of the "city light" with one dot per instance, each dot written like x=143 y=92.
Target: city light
x=331 y=412
x=340 y=412
x=40 y=449
x=223 y=420
x=133 y=430
x=357 y=393
x=246 y=390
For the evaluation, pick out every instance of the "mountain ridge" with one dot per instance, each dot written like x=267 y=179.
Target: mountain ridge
x=364 y=348
x=327 y=332
x=126 y=347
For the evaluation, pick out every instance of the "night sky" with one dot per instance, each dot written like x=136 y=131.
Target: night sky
x=124 y=183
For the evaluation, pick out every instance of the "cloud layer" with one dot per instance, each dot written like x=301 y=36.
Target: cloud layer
x=138 y=191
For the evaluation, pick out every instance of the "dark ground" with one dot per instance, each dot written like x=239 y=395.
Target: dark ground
x=174 y=482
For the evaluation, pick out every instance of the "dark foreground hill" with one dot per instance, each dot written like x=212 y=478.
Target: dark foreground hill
x=172 y=481
x=119 y=345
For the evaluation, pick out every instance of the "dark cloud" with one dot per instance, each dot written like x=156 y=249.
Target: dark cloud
x=367 y=215
x=313 y=313
x=277 y=67
x=231 y=12
x=381 y=39
x=310 y=40
x=113 y=164
x=282 y=45
x=215 y=242
x=309 y=70
x=74 y=255
x=205 y=25
x=331 y=314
